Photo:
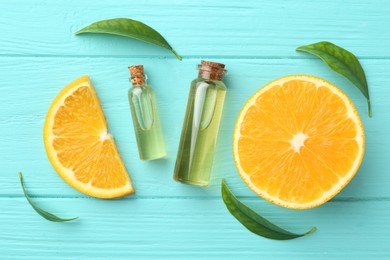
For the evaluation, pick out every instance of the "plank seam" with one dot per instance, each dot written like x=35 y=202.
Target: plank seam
x=334 y=200
x=174 y=58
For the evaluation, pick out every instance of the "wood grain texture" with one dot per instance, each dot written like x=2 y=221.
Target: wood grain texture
x=189 y=229
x=206 y=28
x=164 y=219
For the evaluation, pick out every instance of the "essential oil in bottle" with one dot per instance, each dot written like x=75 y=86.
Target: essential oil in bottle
x=145 y=116
x=201 y=125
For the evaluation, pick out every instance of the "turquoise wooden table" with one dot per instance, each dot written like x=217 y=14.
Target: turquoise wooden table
x=256 y=40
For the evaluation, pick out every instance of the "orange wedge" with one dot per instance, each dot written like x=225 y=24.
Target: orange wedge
x=79 y=146
x=298 y=141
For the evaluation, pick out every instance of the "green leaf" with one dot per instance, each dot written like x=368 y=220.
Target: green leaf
x=253 y=221
x=129 y=28
x=40 y=211
x=343 y=62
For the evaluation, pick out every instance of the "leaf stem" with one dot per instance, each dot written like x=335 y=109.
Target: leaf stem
x=310 y=231
x=176 y=54
x=369 y=108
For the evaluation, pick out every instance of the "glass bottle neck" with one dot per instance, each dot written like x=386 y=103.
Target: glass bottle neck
x=137 y=75
x=211 y=70
x=207 y=75
x=138 y=80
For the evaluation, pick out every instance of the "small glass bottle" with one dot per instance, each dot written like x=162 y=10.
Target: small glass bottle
x=201 y=125
x=145 y=116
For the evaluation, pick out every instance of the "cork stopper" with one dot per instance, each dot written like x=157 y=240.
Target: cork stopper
x=137 y=74
x=211 y=70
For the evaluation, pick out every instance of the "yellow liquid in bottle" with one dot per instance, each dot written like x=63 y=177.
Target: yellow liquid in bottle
x=146 y=122
x=200 y=130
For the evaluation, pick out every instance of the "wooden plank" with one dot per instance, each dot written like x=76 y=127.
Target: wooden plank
x=202 y=28
x=166 y=220
x=29 y=85
x=190 y=229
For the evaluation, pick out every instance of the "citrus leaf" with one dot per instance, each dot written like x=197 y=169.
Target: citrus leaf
x=40 y=211
x=253 y=221
x=129 y=28
x=343 y=62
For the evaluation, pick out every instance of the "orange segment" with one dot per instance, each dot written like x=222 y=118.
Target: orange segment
x=79 y=146
x=298 y=141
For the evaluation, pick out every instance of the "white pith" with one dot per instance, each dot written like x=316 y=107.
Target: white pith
x=298 y=141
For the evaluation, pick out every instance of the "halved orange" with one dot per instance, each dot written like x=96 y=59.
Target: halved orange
x=79 y=146
x=298 y=141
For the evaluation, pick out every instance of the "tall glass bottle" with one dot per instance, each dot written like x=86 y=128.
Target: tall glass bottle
x=145 y=116
x=201 y=125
